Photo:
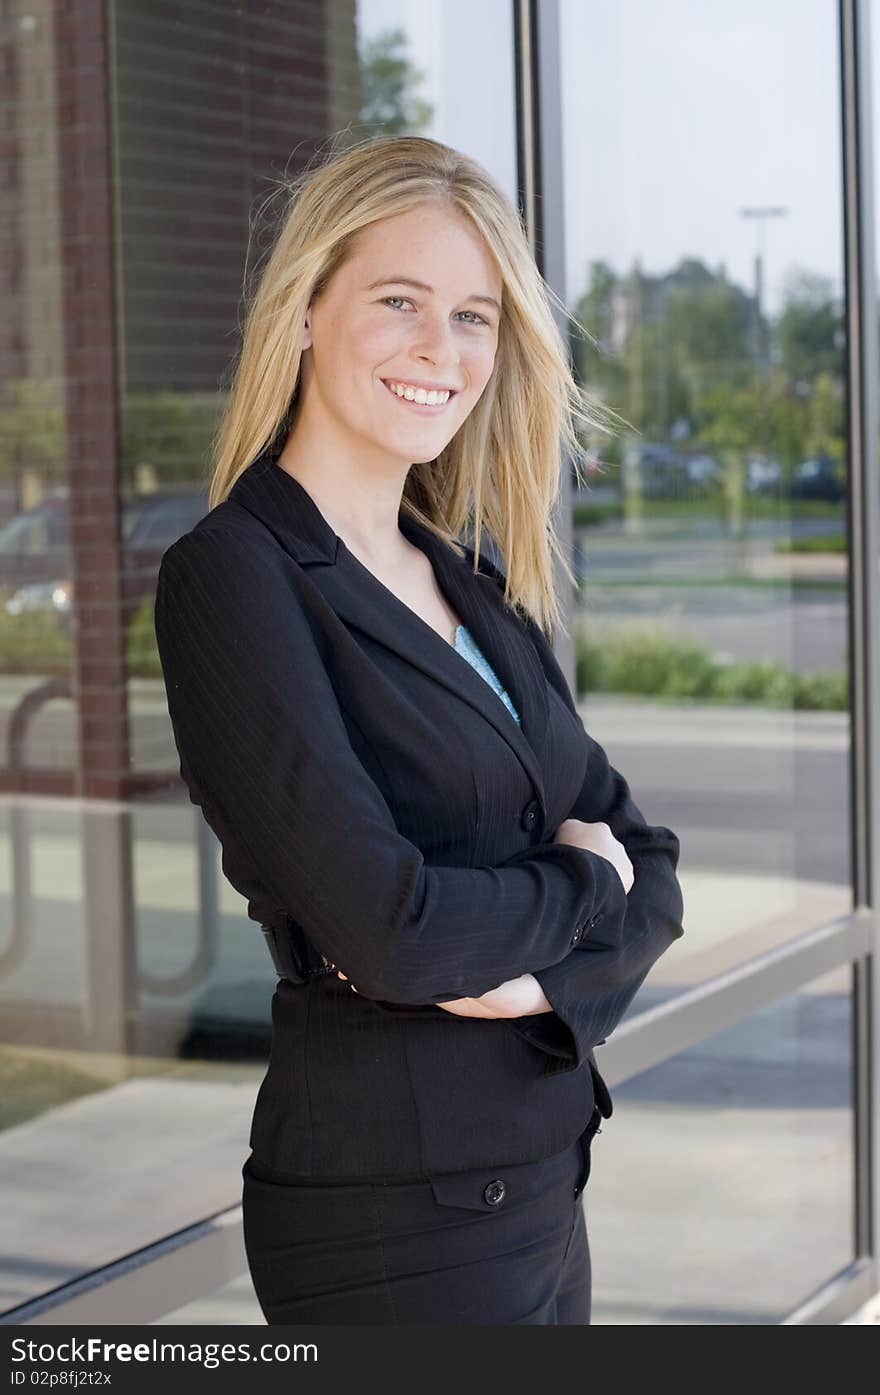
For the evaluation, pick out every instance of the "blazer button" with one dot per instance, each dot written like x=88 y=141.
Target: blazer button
x=576 y=936
x=494 y=1192
x=597 y=918
x=530 y=816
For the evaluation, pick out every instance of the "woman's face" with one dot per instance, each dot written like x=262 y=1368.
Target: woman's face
x=370 y=329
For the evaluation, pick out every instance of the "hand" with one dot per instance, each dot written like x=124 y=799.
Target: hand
x=518 y=997
x=598 y=838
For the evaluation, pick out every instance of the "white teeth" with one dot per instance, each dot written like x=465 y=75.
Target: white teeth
x=430 y=399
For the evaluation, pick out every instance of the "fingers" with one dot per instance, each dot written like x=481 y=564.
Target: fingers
x=345 y=976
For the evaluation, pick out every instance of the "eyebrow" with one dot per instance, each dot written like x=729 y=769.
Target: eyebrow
x=420 y=286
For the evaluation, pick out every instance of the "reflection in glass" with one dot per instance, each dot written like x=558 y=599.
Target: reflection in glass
x=721 y=1187
x=134 y=990
x=705 y=267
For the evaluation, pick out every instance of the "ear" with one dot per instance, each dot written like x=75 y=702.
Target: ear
x=307 y=330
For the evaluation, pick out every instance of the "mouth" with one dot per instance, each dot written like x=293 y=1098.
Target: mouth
x=426 y=408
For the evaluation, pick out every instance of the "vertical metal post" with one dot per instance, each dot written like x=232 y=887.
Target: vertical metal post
x=537 y=56
x=860 y=251
x=527 y=134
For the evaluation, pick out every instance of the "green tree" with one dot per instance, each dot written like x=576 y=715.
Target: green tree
x=825 y=426
x=32 y=428
x=390 y=105
x=809 y=331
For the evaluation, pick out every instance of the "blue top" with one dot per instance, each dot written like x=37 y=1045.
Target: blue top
x=467 y=647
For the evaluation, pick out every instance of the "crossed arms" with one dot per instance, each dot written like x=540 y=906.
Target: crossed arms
x=265 y=752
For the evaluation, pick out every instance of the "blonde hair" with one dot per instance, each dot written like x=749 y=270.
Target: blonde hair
x=502 y=469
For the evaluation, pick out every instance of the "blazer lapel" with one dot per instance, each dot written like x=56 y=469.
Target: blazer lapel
x=363 y=602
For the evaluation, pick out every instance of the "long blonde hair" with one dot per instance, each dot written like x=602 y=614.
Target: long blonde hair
x=502 y=469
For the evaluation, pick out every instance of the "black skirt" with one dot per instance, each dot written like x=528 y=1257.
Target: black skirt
x=492 y=1245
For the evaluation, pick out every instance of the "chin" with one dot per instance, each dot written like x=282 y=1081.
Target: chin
x=419 y=448
x=425 y=457
x=397 y=450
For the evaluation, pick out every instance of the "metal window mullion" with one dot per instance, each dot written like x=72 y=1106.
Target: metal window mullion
x=860 y=250
x=149 y=1283
x=837 y=1299
x=695 y=1015
x=537 y=54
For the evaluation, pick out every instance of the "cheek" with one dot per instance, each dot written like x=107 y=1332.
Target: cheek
x=354 y=353
x=480 y=365
x=371 y=346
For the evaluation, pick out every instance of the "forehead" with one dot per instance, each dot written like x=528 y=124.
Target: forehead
x=428 y=243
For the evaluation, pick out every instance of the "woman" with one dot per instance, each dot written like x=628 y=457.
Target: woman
x=459 y=894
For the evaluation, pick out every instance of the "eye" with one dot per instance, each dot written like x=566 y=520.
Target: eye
x=402 y=300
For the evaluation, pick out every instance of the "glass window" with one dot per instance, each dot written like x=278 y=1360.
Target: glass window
x=704 y=264
x=721 y=1188
x=135 y=992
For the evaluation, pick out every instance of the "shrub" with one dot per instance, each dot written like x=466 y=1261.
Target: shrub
x=654 y=664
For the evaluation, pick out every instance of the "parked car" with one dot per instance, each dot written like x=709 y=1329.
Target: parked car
x=35 y=556
x=655 y=469
x=702 y=469
x=818 y=478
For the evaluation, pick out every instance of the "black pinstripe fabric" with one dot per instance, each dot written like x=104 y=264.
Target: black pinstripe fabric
x=368 y=784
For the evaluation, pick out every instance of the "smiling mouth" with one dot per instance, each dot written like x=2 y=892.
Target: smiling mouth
x=427 y=407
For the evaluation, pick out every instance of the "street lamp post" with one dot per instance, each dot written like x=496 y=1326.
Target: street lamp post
x=760 y=358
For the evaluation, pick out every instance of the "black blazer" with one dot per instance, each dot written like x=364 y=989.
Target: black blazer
x=384 y=814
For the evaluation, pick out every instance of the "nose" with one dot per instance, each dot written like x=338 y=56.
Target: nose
x=435 y=342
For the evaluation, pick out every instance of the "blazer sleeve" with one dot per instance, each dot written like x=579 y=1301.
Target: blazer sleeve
x=265 y=752
x=592 y=987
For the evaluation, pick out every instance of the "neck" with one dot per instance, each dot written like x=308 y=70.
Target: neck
x=362 y=508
